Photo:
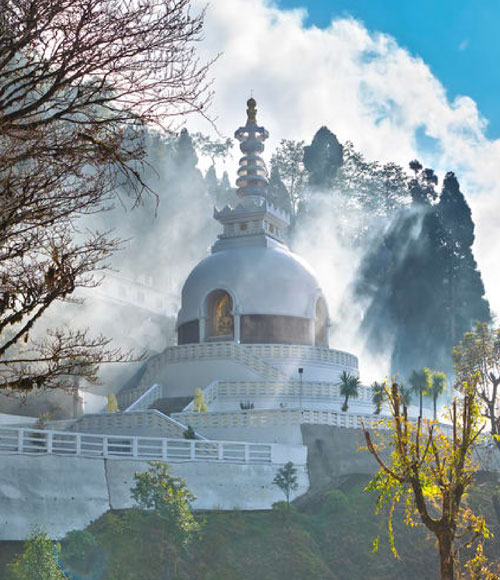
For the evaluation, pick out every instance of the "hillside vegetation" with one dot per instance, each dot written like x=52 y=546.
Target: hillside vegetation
x=329 y=538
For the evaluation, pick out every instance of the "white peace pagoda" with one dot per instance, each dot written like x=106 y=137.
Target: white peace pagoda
x=253 y=329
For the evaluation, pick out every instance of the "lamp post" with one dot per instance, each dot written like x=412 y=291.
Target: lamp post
x=301 y=372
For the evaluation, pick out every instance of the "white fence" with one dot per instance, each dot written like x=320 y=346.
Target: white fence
x=308 y=390
x=36 y=441
x=282 y=392
x=211 y=350
x=274 y=417
x=150 y=419
x=147 y=398
x=250 y=355
x=302 y=353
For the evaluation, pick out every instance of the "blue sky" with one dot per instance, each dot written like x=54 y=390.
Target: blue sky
x=416 y=97
x=459 y=40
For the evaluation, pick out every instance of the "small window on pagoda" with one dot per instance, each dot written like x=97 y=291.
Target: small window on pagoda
x=243 y=227
x=220 y=324
x=271 y=228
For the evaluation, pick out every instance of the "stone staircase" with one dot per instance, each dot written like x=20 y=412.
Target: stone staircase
x=169 y=406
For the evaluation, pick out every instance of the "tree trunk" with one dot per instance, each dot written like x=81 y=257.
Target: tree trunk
x=435 y=411
x=445 y=542
x=345 y=406
x=421 y=401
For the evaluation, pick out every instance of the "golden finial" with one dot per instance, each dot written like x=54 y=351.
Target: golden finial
x=251 y=111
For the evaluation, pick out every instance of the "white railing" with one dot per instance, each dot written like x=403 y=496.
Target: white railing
x=150 y=419
x=302 y=353
x=36 y=441
x=147 y=398
x=282 y=392
x=274 y=417
x=210 y=350
x=250 y=355
x=308 y=390
x=280 y=417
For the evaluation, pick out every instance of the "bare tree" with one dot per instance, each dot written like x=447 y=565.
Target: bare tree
x=80 y=82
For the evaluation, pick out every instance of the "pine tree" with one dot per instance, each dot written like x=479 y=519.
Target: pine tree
x=322 y=158
x=277 y=191
x=422 y=279
x=466 y=302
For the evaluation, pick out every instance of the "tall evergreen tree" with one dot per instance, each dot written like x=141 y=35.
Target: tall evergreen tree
x=211 y=182
x=466 y=302
x=322 y=158
x=185 y=157
x=421 y=278
x=277 y=192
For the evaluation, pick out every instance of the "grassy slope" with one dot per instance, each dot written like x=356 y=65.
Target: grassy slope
x=324 y=541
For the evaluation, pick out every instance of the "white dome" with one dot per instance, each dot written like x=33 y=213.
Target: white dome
x=261 y=280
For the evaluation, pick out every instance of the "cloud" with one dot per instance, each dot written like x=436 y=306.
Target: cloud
x=365 y=87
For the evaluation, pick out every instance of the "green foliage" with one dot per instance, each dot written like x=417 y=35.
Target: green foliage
x=286 y=479
x=349 y=385
x=437 y=388
x=189 y=433
x=170 y=499
x=421 y=277
x=282 y=511
x=429 y=473
x=378 y=396
x=212 y=148
x=287 y=170
x=478 y=354
x=406 y=395
x=322 y=158
x=38 y=560
x=335 y=501
x=307 y=542
x=421 y=382
x=78 y=547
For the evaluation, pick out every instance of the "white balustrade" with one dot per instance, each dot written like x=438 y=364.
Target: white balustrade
x=146 y=399
x=302 y=353
x=253 y=356
x=274 y=417
x=108 y=422
x=36 y=441
x=309 y=390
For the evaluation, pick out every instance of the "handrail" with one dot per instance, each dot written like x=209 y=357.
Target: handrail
x=146 y=399
x=210 y=350
x=133 y=419
x=278 y=417
x=39 y=441
x=254 y=356
x=309 y=390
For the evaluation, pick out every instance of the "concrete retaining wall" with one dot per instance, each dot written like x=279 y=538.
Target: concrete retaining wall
x=65 y=493
x=333 y=453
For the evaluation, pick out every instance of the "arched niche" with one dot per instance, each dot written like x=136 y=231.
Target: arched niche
x=321 y=323
x=220 y=319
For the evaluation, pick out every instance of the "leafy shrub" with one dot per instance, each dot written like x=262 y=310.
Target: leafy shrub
x=335 y=501
x=79 y=546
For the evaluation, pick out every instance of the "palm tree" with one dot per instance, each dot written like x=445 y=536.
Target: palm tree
x=405 y=394
x=349 y=385
x=438 y=385
x=378 y=396
x=420 y=382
